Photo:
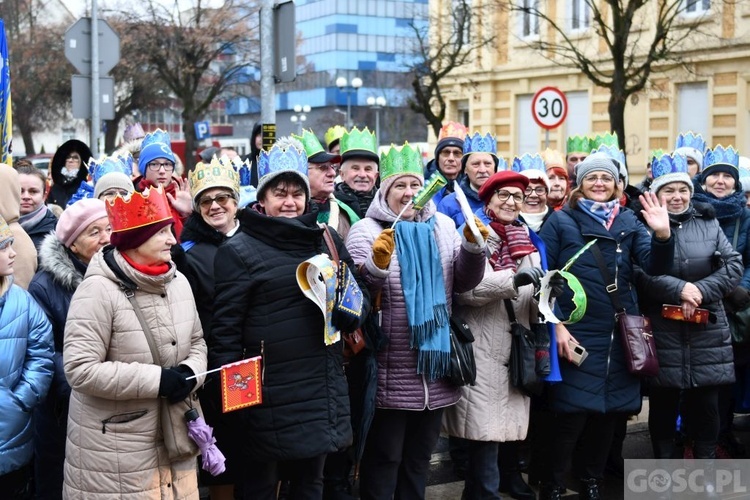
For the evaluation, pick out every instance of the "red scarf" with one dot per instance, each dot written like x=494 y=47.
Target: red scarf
x=514 y=243
x=150 y=270
x=170 y=189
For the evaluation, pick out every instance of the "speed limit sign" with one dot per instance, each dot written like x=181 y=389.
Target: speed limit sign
x=549 y=107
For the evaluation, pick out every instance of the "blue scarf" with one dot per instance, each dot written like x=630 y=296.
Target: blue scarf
x=424 y=294
x=727 y=209
x=602 y=212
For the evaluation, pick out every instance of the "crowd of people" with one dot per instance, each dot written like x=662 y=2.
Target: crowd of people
x=125 y=281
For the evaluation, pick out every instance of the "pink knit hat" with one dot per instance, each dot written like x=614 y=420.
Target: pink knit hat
x=77 y=217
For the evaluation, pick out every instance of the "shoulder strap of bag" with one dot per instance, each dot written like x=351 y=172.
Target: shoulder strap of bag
x=330 y=244
x=611 y=286
x=511 y=312
x=130 y=294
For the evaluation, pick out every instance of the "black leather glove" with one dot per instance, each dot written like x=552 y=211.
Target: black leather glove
x=556 y=285
x=738 y=299
x=527 y=276
x=173 y=385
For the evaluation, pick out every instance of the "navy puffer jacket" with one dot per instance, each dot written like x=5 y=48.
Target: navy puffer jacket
x=602 y=383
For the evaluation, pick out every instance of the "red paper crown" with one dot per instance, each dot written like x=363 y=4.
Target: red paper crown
x=139 y=209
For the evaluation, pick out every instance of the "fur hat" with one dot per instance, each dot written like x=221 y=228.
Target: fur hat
x=77 y=217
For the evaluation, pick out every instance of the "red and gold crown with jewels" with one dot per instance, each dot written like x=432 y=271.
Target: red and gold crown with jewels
x=139 y=209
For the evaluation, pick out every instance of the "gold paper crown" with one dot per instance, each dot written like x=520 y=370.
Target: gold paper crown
x=139 y=209
x=211 y=175
x=553 y=158
x=453 y=129
x=334 y=133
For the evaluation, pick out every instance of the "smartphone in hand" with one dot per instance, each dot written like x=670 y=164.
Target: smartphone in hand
x=578 y=353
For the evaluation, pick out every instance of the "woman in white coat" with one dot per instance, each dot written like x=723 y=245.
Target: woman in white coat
x=493 y=411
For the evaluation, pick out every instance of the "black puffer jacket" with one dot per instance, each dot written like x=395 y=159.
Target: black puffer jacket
x=62 y=189
x=194 y=258
x=258 y=307
x=690 y=354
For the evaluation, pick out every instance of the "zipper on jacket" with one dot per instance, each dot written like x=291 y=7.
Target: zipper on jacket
x=122 y=418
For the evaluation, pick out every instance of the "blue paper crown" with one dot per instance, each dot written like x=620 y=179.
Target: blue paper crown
x=157 y=136
x=279 y=159
x=719 y=154
x=85 y=190
x=117 y=163
x=480 y=144
x=612 y=151
x=528 y=162
x=691 y=140
x=669 y=164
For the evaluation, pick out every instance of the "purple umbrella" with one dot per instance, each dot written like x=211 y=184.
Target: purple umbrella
x=203 y=435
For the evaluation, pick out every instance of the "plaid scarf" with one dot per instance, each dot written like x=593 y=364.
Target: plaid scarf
x=514 y=243
x=603 y=213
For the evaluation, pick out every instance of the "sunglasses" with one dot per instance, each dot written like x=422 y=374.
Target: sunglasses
x=221 y=199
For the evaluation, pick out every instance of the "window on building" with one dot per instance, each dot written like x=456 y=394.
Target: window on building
x=462 y=21
x=529 y=18
x=578 y=121
x=580 y=15
x=527 y=131
x=692 y=108
x=695 y=7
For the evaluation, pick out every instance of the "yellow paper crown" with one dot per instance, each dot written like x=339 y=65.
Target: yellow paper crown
x=217 y=173
x=553 y=158
x=334 y=133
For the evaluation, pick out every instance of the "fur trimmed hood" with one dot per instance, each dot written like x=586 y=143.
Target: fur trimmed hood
x=57 y=260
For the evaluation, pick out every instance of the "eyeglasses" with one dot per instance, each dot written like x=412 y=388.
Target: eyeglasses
x=503 y=196
x=221 y=199
x=539 y=191
x=604 y=179
x=73 y=157
x=113 y=192
x=324 y=167
x=155 y=167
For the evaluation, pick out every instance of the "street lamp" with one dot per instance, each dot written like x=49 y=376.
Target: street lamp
x=300 y=116
x=376 y=103
x=344 y=86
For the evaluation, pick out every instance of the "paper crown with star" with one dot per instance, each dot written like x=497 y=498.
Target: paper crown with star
x=578 y=144
x=333 y=134
x=6 y=235
x=528 y=161
x=138 y=209
x=121 y=162
x=133 y=132
x=669 y=168
x=401 y=161
x=359 y=143
x=453 y=129
x=279 y=160
x=478 y=143
x=213 y=174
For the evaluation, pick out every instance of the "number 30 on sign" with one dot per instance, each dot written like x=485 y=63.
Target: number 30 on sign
x=549 y=107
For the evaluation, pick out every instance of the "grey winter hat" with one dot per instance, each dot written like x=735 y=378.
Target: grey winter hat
x=113 y=180
x=596 y=162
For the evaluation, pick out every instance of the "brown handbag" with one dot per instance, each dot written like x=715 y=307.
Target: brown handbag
x=635 y=330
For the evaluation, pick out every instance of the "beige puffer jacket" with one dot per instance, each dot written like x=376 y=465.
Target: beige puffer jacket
x=115 y=447
x=493 y=410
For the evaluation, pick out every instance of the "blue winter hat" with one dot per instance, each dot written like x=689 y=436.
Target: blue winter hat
x=155 y=145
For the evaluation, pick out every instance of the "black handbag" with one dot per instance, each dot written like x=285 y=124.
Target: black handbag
x=522 y=366
x=463 y=369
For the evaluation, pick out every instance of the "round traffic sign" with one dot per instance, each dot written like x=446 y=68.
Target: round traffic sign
x=549 y=107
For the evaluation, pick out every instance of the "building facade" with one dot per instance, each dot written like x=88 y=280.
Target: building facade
x=707 y=90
